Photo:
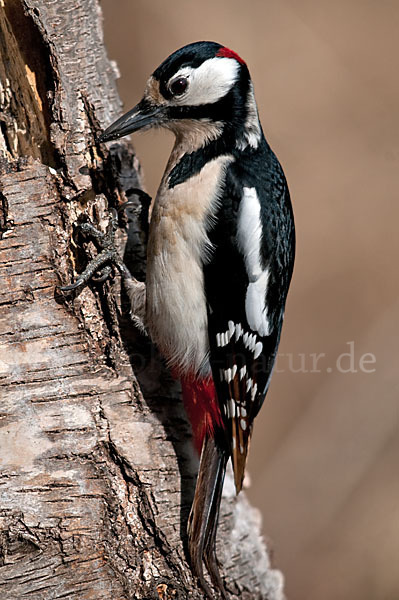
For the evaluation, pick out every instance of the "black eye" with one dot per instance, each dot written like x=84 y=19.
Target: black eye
x=178 y=86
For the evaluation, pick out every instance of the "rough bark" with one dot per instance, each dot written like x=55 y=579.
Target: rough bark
x=97 y=465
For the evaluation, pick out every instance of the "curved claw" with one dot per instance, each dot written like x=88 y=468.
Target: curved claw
x=71 y=286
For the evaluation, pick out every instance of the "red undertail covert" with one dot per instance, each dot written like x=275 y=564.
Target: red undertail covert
x=200 y=402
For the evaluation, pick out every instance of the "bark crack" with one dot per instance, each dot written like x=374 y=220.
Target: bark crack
x=26 y=110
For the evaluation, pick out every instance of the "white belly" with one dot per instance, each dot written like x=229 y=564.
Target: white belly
x=177 y=248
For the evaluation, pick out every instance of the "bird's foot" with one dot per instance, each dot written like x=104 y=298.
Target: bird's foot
x=103 y=265
x=100 y=268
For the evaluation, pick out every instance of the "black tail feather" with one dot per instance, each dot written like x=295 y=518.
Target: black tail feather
x=210 y=557
x=204 y=516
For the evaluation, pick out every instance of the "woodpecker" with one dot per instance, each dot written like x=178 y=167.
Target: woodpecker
x=220 y=258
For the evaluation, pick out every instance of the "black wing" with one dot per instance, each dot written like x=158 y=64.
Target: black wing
x=242 y=356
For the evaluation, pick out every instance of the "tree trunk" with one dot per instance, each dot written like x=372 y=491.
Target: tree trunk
x=97 y=465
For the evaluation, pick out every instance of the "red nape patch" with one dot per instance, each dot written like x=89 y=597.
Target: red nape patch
x=227 y=53
x=202 y=407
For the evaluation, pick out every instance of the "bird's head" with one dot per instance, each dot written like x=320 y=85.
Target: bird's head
x=202 y=89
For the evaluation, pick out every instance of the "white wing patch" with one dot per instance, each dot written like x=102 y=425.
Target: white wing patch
x=249 y=240
x=255 y=307
x=209 y=82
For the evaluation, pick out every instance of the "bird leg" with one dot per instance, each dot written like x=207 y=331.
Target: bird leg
x=107 y=258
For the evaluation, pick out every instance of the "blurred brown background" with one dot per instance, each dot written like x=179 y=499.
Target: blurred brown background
x=324 y=459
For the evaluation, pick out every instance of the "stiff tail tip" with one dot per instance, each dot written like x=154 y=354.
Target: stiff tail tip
x=204 y=516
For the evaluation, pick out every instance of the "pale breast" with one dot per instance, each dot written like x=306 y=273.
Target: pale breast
x=178 y=246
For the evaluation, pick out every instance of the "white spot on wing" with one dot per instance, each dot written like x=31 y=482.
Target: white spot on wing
x=252 y=342
x=258 y=349
x=249 y=240
x=231 y=408
x=239 y=331
x=227 y=375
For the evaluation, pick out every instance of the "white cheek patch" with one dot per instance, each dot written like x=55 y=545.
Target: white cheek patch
x=209 y=82
x=249 y=235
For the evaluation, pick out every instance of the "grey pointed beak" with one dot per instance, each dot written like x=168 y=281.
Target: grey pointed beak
x=143 y=115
